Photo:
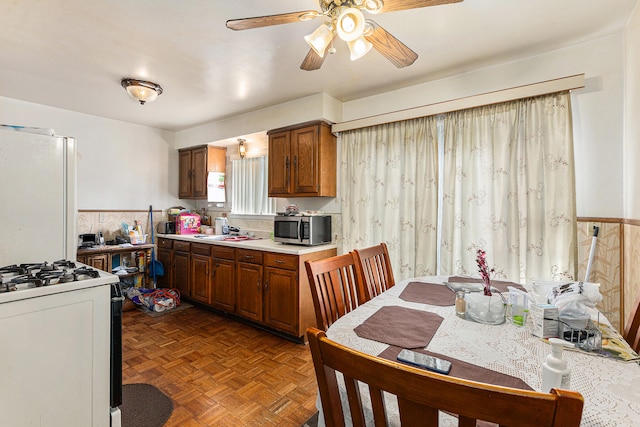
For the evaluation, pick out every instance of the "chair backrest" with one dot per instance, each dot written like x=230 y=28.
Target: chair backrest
x=336 y=287
x=632 y=327
x=421 y=394
x=375 y=265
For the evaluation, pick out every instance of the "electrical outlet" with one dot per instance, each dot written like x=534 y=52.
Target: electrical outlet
x=102 y=217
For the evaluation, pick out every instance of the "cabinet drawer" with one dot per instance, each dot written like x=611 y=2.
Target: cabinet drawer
x=165 y=243
x=224 y=253
x=288 y=262
x=201 y=249
x=181 y=246
x=253 y=257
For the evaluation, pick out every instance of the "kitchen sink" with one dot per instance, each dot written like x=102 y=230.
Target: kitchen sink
x=225 y=237
x=210 y=237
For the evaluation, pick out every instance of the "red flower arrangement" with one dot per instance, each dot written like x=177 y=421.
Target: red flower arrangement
x=481 y=260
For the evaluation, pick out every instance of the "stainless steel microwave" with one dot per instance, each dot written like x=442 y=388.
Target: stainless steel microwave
x=302 y=230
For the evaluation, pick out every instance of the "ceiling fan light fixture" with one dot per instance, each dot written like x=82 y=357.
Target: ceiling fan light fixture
x=350 y=24
x=140 y=90
x=320 y=39
x=373 y=6
x=359 y=48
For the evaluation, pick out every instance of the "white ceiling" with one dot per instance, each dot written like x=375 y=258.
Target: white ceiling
x=72 y=54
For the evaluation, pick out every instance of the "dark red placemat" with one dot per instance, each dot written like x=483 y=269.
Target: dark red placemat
x=464 y=370
x=428 y=293
x=400 y=326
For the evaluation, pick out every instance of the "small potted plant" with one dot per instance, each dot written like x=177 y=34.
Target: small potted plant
x=485 y=307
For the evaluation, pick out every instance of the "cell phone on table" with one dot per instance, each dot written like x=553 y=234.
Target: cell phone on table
x=420 y=360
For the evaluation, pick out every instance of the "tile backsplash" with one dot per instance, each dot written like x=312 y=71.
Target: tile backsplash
x=110 y=222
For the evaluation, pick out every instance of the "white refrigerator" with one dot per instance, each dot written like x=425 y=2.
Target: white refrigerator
x=54 y=339
x=38 y=211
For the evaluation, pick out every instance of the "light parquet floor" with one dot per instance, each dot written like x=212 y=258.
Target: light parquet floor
x=217 y=371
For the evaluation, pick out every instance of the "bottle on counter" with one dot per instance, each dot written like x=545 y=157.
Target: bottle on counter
x=555 y=371
x=461 y=304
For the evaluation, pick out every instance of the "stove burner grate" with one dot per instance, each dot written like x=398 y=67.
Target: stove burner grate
x=34 y=275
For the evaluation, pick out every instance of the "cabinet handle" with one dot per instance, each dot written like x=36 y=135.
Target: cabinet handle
x=295 y=162
x=248 y=257
x=279 y=261
x=266 y=286
x=258 y=284
x=287 y=171
x=213 y=270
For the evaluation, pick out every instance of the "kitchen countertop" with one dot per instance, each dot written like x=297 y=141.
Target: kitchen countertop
x=255 y=244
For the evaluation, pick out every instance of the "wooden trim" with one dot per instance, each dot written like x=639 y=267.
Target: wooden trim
x=622 y=320
x=597 y=219
x=495 y=97
x=625 y=221
x=299 y=126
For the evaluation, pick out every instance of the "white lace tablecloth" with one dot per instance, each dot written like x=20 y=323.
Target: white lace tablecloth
x=611 y=389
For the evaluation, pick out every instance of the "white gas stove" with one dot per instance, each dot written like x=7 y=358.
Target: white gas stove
x=57 y=326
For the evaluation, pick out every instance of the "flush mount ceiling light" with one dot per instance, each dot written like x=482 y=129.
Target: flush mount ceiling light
x=242 y=148
x=344 y=19
x=140 y=90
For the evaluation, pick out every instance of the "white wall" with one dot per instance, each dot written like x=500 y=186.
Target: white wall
x=313 y=107
x=632 y=113
x=121 y=166
x=597 y=110
x=126 y=166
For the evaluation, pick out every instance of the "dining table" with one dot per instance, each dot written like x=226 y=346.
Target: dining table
x=419 y=313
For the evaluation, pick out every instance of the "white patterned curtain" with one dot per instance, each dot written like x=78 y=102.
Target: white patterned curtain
x=390 y=192
x=250 y=193
x=509 y=188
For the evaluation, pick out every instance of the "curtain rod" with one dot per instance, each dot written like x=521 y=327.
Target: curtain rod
x=503 y=95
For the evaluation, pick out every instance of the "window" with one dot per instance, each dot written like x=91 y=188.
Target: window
x=249 y=187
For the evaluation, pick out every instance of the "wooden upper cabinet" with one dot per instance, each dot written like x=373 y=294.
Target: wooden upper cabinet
x=279 y=163
x=302 y=161
x=195 y=164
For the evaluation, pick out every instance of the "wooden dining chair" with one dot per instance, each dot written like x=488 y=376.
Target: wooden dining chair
x=336 y=287
x=422 y=394
x=375 y=266
x=632 y=327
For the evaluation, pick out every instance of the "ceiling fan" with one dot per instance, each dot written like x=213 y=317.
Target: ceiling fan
x=344 y=19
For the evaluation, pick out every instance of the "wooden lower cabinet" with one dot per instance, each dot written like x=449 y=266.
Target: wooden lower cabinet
x=165 y=257
x=249 y=284
x=181 y=268
x=268 y=288
x=223 y=279
x=200 y=274
x=99 y=261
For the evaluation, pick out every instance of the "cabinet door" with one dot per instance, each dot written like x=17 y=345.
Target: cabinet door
x=199 y=173
x=181 y=273
x=279 y=164
x=165 y=256
x=304 y=150
x=101 y=262
x=249 y=291
x=223 y=286
x=184 y=186
x=281 y=299
x=216 y=159
x=201 y=278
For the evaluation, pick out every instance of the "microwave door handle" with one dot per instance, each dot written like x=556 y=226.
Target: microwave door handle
x=300 y=231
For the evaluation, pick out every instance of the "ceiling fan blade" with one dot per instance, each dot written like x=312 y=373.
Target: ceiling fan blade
x=395 y=5
x=390 y=47
x=265 y=21
x=312 y=61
